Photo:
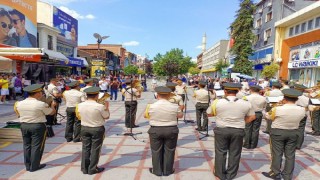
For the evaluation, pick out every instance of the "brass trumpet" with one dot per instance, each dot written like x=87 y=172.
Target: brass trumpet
x=137 y=84
x=103 y=97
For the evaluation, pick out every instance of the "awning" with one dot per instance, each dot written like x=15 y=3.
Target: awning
x=4 y=59
x=55 y=55
x=8 y=51
x=74 y=62
x=208 y=70
x=85 y=62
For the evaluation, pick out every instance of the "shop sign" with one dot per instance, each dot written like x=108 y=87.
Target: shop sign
x=97 y=62
x=72 y=62
x=304 y=64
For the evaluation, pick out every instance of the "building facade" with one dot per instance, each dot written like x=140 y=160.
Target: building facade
x=298 y=46
x=266 y=14
x=211 y=56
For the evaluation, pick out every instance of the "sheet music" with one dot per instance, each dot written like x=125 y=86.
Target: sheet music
x=274 y=99
x=220 y=93
x=315 y=101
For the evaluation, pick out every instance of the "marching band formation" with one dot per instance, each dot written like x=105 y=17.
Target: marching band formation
x=238 y=116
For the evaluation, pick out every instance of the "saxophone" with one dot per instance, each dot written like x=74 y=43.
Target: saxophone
x=103 y=97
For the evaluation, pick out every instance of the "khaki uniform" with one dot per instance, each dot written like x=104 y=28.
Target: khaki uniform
x=131 y=104
x=163 y=135
x=283 y=137
x=315 y=115
x=33 y=128
x=52 y=90
x=73 y=125
x=82 y=89
x=272 y=93
x=303 y=101
x=202 y=99
x=258 y=103
x=180 y=90
x=230 y=114
x=92 y=116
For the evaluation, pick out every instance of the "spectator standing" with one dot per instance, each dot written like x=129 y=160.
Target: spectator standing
x=114 y=86
x=103 y=84
x=4 y=82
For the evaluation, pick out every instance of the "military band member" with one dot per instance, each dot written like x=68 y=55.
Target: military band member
x=32 y=113
x=283 y=134
x=72 y=98
x=302 y=101
x=202 y=98
x=131 y=95
x=315 y=111
x=231 y=115
x=285 y=84
x=181 y=89
x=176 y=99
x=92 y=116
x=53 y=92
x=258 y=103
x=89 y=83
x=163 y=132
x=275 y=92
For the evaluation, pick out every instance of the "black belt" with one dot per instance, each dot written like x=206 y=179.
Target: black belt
x=164 y=126
x=258 y=112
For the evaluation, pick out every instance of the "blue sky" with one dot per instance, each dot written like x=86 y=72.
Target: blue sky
x=152 y=26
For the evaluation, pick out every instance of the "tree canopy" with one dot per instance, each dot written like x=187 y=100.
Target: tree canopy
x=270 y=70
x=194 y=70
x=172 y=63
x=131 y=69
x=241 y=32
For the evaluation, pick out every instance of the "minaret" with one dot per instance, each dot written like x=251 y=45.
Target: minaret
x=204 y=42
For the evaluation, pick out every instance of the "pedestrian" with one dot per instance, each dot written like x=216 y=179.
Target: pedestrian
x=284 y=135
x=103 y=84
x=114 y=86
x=131 y=95
x=32 y=113
x=4 y=82
x=252 y=129
x=92 y=116
x=202 y=98
x=231 y=115
x=72 y=98
x=163 y=132
x=54 y=92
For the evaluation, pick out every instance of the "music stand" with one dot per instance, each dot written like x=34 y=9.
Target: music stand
x=207 y=125
x=130 y=116
x=185 y=108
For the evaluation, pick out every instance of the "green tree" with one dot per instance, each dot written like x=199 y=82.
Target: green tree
x=141 y=71
x=172 y=63
x=270 y=70
x=220 y=65
x=131 y=69
x=243 y=37
x=194 y=70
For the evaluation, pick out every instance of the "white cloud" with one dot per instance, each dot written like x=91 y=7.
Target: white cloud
x=131 y=43
x=194 y=60
x=199 y=47
x=75 y=14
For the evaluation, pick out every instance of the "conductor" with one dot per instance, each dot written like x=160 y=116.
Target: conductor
x=163 y=132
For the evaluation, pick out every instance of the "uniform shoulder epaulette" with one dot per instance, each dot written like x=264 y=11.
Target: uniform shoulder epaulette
x=245 y=98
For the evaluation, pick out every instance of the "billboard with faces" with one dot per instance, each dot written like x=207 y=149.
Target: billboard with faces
x=67 y=25
x=18 y=23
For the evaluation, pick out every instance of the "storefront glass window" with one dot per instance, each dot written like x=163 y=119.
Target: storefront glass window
x=302 y=76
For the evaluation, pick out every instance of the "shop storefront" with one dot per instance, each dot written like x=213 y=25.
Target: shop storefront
x=304 y=64
x=257 y=70
x=210 y=73
x=73 y=65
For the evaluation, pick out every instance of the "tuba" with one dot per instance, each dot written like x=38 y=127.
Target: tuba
x=103 y=97
x=137 y=84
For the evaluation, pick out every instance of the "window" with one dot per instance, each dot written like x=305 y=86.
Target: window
x=317 y=22
x=291 y=31
x=267 y=34
x=296 y=30
x=259 y=23
x=303 y=27
x=310 y=24
x=256 y=39
x=50 y=43
x=269 y=17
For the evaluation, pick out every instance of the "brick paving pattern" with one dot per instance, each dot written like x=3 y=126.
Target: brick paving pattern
x=126 y=158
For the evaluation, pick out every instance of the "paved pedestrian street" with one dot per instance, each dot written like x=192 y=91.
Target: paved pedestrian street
x=127 y=158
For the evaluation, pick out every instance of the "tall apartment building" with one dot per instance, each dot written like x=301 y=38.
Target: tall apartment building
x=267 y=13
x=211 y=56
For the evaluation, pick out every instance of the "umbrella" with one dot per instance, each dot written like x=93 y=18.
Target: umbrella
x=244 y=76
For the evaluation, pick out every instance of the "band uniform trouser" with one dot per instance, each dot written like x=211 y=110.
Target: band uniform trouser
x=227 y=140
x=73 y=125
x=131 y=110
x=163 y=142
x=269 y=122
x=302 y=126
x=92 y=140
x=34 y=137
x=201 y=109
x=316 y=121
x=251 y=130
x=283 y=141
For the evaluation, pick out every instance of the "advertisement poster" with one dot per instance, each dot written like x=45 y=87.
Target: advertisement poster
x=295 y=55
x=67 y=25
x=98 y=71
x=18 y=19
